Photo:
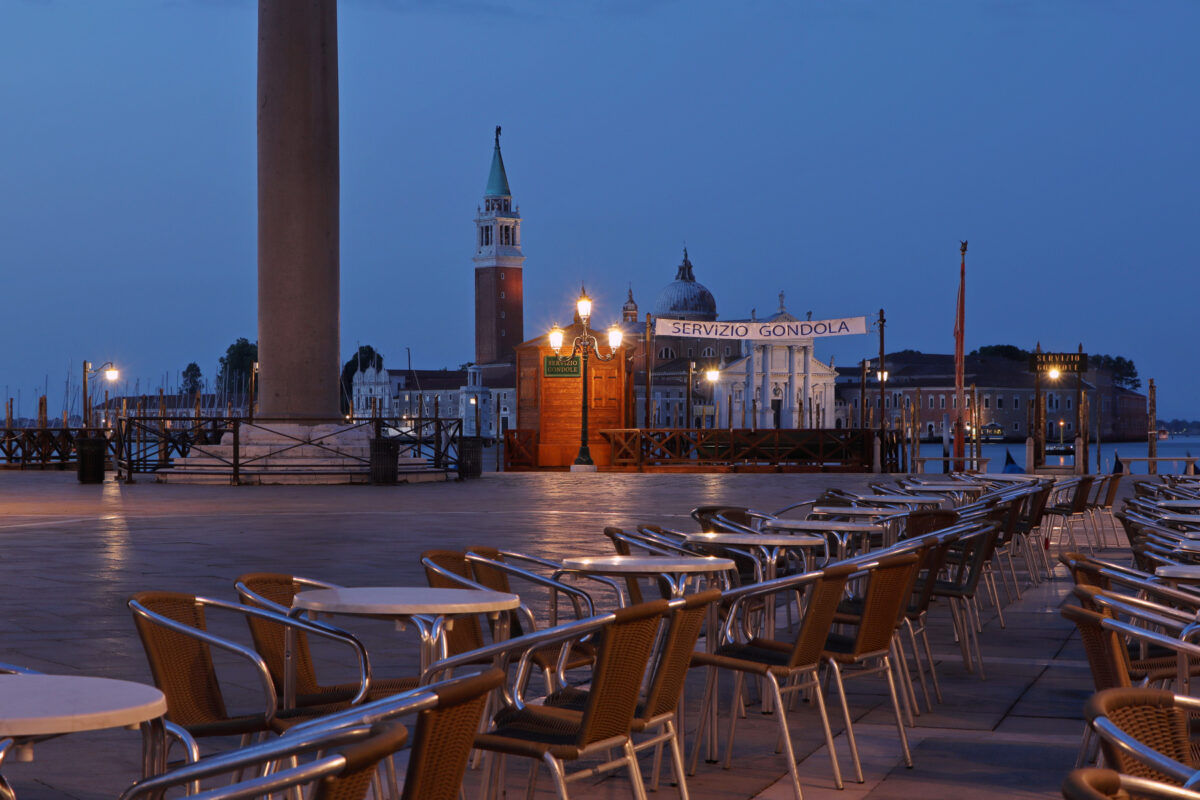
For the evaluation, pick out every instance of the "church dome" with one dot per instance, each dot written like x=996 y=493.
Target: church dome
x=685 y=298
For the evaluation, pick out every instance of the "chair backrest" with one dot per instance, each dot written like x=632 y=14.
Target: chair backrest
x=1114 y=484
x=920 y=522
x=623 y=651
x=443 y=738
x=888 y=586
x=675 y=654
x=932 y=560
x=1079 y=502
x=823 y=600
x=182 y=665
x=276 y=591
x=466 y=633
x=1150 y=716
x=1106 y=653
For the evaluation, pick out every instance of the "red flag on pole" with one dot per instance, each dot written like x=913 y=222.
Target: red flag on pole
x=960 y=325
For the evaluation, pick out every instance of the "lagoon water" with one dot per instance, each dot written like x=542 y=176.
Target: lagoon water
x=1175 y=446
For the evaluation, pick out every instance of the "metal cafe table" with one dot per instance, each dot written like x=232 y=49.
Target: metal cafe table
x=36 y=706
x=675 y=570
x=841 y=531
x=427 y=609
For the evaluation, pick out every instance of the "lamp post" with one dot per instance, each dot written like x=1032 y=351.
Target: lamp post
x=712 y=375
x=584 y=344
x=111 y=373
x=1060 y=434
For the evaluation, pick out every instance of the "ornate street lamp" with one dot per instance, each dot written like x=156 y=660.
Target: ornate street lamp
x=585 y=344
x=110 y=374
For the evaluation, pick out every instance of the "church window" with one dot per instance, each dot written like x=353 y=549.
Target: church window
x=708 y=352
x=502 y=295
x=931 y=401
x=942 y=401
x=987 y=402
x=666 y=352
x=999 y=402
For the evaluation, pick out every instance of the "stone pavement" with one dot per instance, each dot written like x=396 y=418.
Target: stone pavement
x=73 y=554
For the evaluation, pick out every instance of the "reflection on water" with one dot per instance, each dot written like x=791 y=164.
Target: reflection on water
x=1175 y=446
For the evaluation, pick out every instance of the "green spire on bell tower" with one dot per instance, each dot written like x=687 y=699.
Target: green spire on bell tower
x=497 y=185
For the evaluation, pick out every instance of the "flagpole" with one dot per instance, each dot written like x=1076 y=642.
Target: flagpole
x=959 y=331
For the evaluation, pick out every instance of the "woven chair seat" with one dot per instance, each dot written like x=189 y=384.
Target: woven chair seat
x=758 y=656
x=339 y=694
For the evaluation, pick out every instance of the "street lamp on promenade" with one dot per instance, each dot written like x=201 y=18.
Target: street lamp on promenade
x=585 y=344
x=110 y=374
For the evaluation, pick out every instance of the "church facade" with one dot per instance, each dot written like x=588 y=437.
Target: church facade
x=758 y=384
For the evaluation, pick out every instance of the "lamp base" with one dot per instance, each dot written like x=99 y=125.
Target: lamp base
x=583 y=468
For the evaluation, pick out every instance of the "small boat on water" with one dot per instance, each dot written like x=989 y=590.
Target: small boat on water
x=1163 y=433
x=1060 y=449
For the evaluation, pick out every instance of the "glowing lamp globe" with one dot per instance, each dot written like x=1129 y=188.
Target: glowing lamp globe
x=614 y=337
x=556 y=338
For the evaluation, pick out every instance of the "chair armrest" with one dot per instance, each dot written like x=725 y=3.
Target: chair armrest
x=1138 y=751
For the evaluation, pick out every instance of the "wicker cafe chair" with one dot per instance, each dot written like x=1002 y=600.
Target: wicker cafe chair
x=889 y=581
x=342 y=767
x=275 y=592
x=1147 y=733
x=669 y=667
x=447 y=717
x=1107 y=784
x=174 y=633
x=555 y=735
x=490 y=568
x=787 y=667
x=466 y=633
x=966 y=566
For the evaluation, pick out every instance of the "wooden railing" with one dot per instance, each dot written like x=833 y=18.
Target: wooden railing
x=42 y=448
x=828 y=450
x=520 y=449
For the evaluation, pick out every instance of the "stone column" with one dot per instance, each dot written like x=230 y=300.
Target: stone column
x=298 y=301
x=793 y=420
x=807 y=384
x=764 y=403
x=749 y=393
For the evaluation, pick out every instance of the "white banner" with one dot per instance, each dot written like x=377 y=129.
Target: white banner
x=803 y=329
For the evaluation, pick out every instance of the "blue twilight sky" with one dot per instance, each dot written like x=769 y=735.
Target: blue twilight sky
x=834 y=150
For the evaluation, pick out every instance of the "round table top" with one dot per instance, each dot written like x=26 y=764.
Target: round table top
x=822 y=525
x=649 y=565
x=1179 y=571
x=43 y=705
x=856 y=511
x=400 y=601
x=755 y=539
x=1188 y=519
x=902 y=498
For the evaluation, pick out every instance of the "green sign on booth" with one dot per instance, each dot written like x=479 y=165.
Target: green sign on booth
x=555 y=367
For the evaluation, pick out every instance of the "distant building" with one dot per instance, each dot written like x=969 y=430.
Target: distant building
x=1006 y=393
x=759 y=385
x=499 y=326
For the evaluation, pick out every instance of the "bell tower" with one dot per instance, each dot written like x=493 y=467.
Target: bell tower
x=499 y=307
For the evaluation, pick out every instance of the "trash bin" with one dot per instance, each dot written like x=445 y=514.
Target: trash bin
x=470 y=456
x=385 y=454
x=90 y=452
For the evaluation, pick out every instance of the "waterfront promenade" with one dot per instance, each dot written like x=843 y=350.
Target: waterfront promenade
x=73 y=555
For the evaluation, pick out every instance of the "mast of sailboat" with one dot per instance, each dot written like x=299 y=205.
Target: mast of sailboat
x=960 y=323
